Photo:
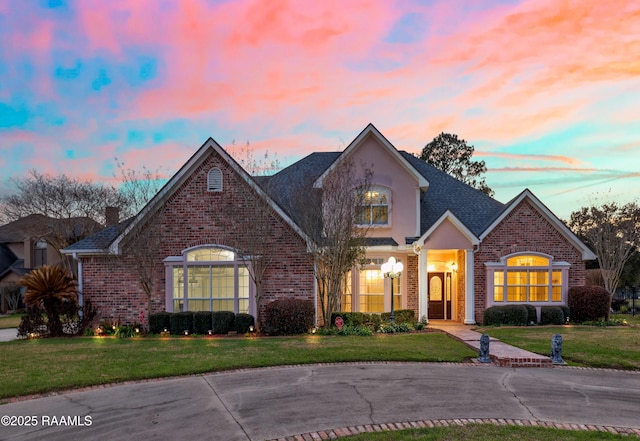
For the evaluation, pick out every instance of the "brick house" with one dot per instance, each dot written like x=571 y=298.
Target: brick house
x=462 y=250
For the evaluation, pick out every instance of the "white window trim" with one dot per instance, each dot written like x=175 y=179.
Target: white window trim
x=182 y=261
x=492 y=267
x=387 y=191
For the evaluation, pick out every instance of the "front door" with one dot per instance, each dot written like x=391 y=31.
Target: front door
x=436 y=295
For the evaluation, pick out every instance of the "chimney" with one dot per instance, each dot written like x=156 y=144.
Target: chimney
x=112 y=216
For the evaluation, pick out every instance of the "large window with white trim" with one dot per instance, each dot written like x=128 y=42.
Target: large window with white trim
x=209 y=279
x=527 y=278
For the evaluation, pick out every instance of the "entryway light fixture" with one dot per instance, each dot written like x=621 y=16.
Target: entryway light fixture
x=454 y=266
x=392 y=269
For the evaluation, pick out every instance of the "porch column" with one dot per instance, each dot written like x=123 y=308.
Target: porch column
x=469 y=296
x=423 y=299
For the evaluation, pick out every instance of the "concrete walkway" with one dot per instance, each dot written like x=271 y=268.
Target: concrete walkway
x=8 y=334
x=502 y=354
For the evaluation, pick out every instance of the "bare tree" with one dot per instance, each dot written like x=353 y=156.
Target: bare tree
x=330 y=217
x=77 y=206
x=613 y=232
x=142 y=244
x=256 y=237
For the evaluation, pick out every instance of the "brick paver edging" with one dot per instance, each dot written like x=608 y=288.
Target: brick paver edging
x=369 y=428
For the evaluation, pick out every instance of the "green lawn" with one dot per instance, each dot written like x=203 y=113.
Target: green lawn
x=10 y=321
x=593 y=346
x=36 y=366
x=486 y=432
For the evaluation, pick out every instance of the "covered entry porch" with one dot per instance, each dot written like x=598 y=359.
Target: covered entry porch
x=446 y=271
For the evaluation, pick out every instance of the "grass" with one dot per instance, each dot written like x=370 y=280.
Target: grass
x=10 y=321
x=615 y=347
x=486 y=432
x=38 y=366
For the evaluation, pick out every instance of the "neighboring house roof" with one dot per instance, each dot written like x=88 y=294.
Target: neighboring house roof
x=7 y=258
x=38 y=225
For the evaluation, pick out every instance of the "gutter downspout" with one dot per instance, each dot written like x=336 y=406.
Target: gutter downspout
x=80 y=296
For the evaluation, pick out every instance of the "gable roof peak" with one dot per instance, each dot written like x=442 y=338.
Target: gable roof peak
x=371 y=130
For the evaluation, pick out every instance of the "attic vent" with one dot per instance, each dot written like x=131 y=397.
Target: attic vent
x=214 y=180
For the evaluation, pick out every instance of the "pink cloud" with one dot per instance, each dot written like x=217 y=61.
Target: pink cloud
x=532 y=157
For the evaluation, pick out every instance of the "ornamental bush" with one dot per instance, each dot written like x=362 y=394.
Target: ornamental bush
x=179 y=322
x=516 y=315
x=158 y=322
x=243 y=322
x=201 y=322
x=223 y=322
x=289 y=316
x=588 y=303
x=551 y=315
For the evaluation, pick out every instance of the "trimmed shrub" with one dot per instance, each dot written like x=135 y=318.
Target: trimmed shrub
x=400 y=316
x=588 y=303
x=532 y=314
x=551 y=315
x=223 y=322
x=201 y=322
x=180 y=322
x=565 y=311
x=515 y=315
x=349 y=318
x=289 y=316
x=506 y=315
x=373 y=321
x=159 y=321
x=493 y=315
x=243 y=322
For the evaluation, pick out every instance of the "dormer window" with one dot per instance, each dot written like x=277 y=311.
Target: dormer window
x=374 y=207
x=214 y=180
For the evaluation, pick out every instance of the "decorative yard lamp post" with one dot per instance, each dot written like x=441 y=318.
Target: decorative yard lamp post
x=392 y=270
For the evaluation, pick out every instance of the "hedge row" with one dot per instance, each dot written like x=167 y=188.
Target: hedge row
x=374 y=320
x=200 y=322
x=522 y=315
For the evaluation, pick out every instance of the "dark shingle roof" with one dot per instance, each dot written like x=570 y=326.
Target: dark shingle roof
x=472 y=207
x=101 y=240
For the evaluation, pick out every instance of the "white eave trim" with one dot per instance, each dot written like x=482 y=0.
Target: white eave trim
x=371 y=130
x=587 y=254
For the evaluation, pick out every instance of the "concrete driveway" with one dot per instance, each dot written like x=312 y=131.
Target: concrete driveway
x=271 y=403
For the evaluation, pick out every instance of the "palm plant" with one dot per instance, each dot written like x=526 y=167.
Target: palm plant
x=50 y=289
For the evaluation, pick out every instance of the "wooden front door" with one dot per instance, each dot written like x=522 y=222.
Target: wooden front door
x=436 y=295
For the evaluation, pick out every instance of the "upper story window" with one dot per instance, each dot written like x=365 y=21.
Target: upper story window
x=39 y=253
x=214 y=179
x=374 y=207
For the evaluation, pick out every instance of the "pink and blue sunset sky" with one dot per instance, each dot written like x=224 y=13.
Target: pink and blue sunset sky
x=548 y=91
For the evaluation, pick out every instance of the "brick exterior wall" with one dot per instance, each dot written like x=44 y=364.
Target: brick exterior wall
x=412 y=283
x=193 y=216
x=523 y=230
